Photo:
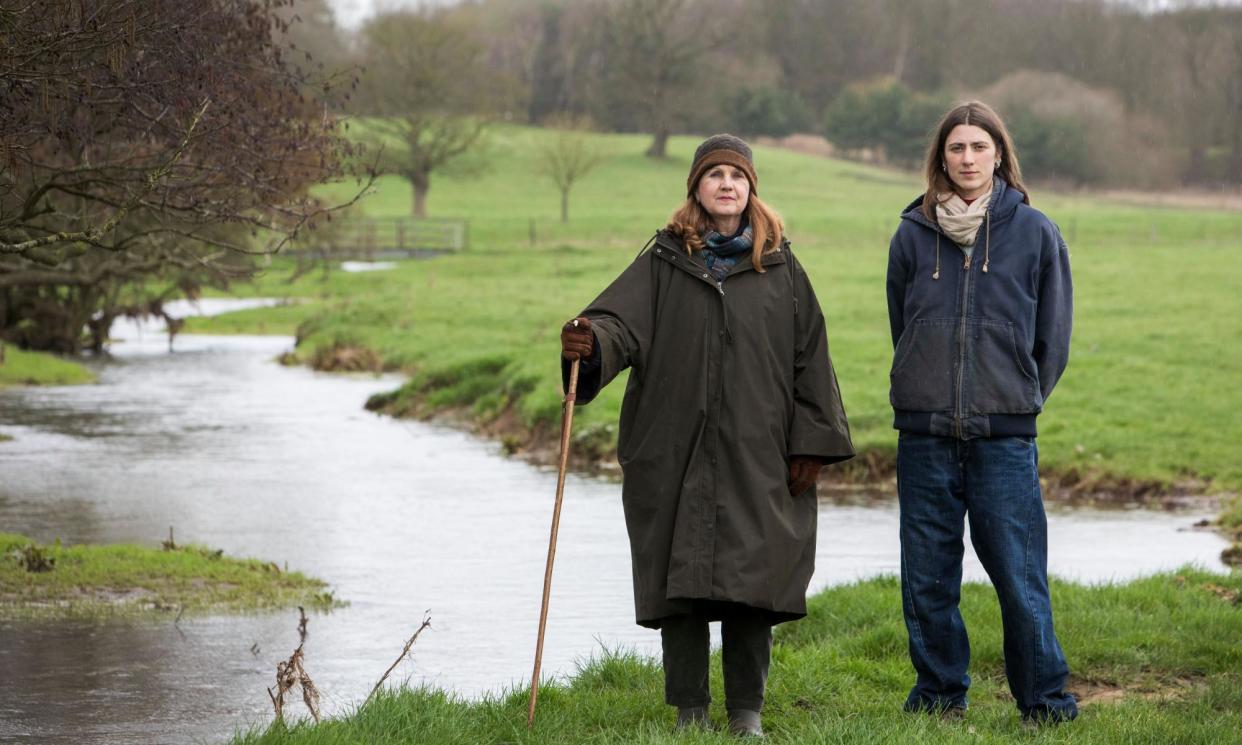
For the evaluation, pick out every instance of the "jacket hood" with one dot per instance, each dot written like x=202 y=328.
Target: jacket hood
x=1005 y=201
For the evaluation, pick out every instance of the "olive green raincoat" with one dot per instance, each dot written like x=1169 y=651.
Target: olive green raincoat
x=727 y=381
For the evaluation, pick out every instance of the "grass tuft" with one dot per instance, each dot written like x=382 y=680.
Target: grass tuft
x=20 y=367
x=55 y=581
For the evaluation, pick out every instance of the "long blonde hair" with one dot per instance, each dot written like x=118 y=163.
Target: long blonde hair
x=691 y=221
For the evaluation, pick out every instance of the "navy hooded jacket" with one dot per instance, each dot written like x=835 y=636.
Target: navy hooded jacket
x=978 y=349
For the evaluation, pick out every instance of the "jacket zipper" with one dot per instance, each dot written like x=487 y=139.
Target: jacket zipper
x=961 y=346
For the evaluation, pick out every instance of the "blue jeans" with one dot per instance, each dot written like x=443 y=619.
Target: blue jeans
x=994 y=482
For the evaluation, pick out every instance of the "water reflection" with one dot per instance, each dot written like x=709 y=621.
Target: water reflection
x=400 y=517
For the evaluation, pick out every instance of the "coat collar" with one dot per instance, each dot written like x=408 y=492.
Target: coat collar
x=670 y=248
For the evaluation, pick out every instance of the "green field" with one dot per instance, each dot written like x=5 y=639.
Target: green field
x=54 y=581
x=39 y=368
x=1155 y=661
x=1148 y=396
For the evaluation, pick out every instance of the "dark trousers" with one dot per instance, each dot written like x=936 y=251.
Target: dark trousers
x=994 y=482
x=746 y=637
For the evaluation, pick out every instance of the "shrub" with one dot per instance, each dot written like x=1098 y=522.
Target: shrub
x=885 y=117
x=1066 y=130
x=768 y=111
x=1052 y=148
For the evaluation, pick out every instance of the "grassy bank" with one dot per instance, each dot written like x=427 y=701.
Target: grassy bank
x=1154 y=661
x=39 y=368
x=57 y=581
x=1144 y=405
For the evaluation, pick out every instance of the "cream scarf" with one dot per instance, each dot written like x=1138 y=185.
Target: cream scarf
x=960 y=221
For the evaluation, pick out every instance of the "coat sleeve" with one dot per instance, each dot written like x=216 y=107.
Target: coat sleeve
x=622 y=319
x=1055 y=312
x=819 y=426
x=896 y=287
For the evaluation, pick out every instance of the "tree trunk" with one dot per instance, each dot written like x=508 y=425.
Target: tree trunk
x=565 y=205
x=903 y=48
x=1194 y=171
x=1235 y=150
x=422 y=184
x=659 y=145
x=99 y=328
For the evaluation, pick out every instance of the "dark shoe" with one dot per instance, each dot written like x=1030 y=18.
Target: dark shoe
x=1035 y=719
x=693 y=717
x=745 y=723
x=945 y=708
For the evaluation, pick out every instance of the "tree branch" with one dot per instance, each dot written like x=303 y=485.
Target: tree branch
x=93 y=235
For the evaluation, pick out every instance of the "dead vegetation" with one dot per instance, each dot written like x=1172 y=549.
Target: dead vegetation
x=35 y=558
x=342 y=357
x=1224 y=593
x=1232 y=555
x=291 y=673
x=426 y=624
x=170 y=544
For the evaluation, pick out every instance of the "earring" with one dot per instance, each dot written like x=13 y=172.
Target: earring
x=944 y=167
x=998 y=165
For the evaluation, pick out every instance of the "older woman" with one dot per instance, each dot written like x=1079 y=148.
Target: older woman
x=730 y=411
x=980 y=304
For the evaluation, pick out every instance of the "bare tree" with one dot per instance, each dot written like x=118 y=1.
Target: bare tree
x=1198 y=69
x=428 y=88
x=568 y=155
x=655 y=58
x=145 y=149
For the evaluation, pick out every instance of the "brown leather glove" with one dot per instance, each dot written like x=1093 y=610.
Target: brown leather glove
x=577 y=339
x=803 y=471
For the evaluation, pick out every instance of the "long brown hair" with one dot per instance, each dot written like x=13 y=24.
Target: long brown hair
x=690 y=221
x=981 y=115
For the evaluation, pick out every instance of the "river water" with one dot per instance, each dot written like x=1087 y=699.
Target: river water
x=402 y=518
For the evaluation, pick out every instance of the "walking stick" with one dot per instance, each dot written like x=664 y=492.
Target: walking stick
x=567 y=420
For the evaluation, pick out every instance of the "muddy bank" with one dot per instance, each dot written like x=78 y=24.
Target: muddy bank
x=871 y=474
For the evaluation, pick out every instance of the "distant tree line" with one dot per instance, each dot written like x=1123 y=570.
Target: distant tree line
x=1147 y=94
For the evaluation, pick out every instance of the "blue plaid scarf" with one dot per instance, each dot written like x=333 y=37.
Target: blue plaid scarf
x=720 y=252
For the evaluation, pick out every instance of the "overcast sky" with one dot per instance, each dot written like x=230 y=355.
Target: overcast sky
x=351 y=13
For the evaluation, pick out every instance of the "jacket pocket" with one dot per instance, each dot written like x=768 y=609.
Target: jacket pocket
x=923 y=366
x=999 y=380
